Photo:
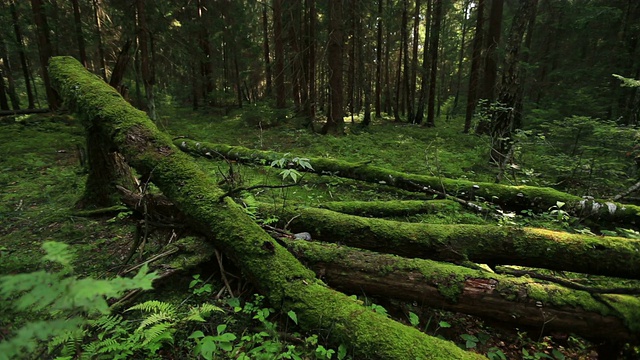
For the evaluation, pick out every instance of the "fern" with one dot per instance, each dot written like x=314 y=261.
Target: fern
x=153 y=306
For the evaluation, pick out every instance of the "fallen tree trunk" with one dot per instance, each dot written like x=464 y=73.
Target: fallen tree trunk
x=486 y=244
x=508 y=197
x=23 y=112
x=518 y=301
x=391 y=208
x=287 y=284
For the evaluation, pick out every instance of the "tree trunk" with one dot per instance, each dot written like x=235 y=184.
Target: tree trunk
x=435 y=40
x=44 y=50
x=312 y=61
x=265 y=42
x=378 y=102
x=463 y=38
x=474 y=73
x=414 y=57
x=503 y=119
x=510 y=198
x=279 y=55
x=519 y=106
x=144 y=44
x=491 y=61
x=407 y=68
x=23 y=57
x=484 y=244
x=287 y=284
x=10 y=86
x=424 y=72
x=335 y=120
x=517 y=301
x=119 y=69
x=97 y=10
x=79 y=36
x=4 y=103
x=396 y=108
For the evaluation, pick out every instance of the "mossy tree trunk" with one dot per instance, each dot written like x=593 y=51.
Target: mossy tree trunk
x=514 y=198
x=286 y=282
x=485 y=244
x=518 y=301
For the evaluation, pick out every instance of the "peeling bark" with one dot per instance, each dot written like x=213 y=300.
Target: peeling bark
x=286 y=282
x=514 y=198
x=518 y=301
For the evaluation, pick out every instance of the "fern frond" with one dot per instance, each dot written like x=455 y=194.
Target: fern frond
x=154 y=306
x=199 y=313
x=159 y=333
x=157 y=318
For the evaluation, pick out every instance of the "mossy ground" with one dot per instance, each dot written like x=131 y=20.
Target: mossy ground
x=41 y=180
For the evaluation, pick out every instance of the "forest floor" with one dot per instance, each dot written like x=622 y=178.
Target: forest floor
x=41 y=178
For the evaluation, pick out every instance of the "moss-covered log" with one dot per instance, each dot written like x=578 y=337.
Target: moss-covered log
x=609 y=256
x=286 y=282
x=518 y=301
x=508 y=197
x=392 y=208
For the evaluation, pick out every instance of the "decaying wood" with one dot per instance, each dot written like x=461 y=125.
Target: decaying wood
x=512 y=198
x=487 y=244
x=518 y=301
x=287 y=284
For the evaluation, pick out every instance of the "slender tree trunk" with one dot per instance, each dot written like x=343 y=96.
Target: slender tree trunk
x=237 y=76
x=119 y=69
x=435 y=40
x=387 y=67
x=378 y=103
x=503 y=120
x=407 y=67
x=4 y=103
x=8 y=71
x=144 y=39
x=279 y=55
x=519 y=106
x=78 y=28
x=414 y=59
x=97 y=10
x=396 y=108
x=21 y=52
x=45 y=51
x=265 y=41
x=312 y=61
x=463 y=39
x=474 y=73
x=335 y=120
x=424 y=71
x=489 y=82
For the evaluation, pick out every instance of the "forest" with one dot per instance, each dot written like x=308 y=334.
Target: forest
x=301 y=179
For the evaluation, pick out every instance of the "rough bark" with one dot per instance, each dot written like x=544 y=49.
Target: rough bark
x=513 y=198
x=474 y=73
x=519 y=301
x=23 y=58
x=424 y=71
x=287 y=284
x=485 y=244
x=335 y=120
x=435 y=40
x=119 y=69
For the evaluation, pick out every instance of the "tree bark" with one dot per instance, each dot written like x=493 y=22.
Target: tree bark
x=422 y=99
x=312 y=61
x=287 y=284
x=119 y=69
x=503 y=119
x=435 y=40
x=517 y=301
x=44 y=50
x=77 y=20
x=23 y=57
x=335 y=120
x=265 y=42
x=144 y=44
x=513 y=198
x=484 y=244
x=4 y=103
x=279 y=54
x=98 y=22
x=378 y=102
x=474 y=73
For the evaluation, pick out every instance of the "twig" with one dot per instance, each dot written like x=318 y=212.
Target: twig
x=633 y=188
x=222 y=272
x=236 y=190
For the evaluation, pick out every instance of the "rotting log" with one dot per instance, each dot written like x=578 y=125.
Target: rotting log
x=513 y=198
x=287 y=284
x=23 y=112
x=519 y=301
x=486 y=244
x=392 y=208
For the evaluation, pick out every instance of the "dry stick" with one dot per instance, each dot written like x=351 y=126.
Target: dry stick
x=150 y=260
x=222 y=272
x=475 y=207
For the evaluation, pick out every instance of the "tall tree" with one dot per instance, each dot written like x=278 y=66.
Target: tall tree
x=144 y=44
x=77 y=20
x=279 y=54
x=474 y=73
x=414 y=59
x=8 y=72
x=405 y=60
x=21 y=52
x=312 y=59
x=45 y=51
x=335 y=120
x=97 y=18
x=491 y=60
x=265 y=41
x=503 y=119
x=424 y=71
x=379 y=61
x=435 y=41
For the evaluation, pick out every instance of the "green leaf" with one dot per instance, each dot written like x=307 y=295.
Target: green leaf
x=221 y=328
x=444 y=324
x=557 y=354
x=414 y=319
x=342 y=351
x=293 y=316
